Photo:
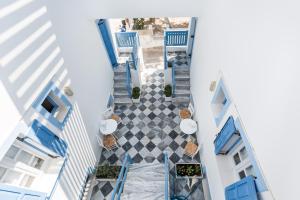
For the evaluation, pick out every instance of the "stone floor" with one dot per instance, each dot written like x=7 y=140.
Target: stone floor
x=147 y=129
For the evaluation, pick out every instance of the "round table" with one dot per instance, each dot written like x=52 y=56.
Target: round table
x=188 y=126
x=108 y=126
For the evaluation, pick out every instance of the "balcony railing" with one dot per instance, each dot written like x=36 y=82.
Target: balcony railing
x=176 y=38
x=121 y=178
x=127 y=39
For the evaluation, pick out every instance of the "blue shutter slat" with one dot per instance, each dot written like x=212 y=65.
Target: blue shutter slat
x=48 y=139
x=227 y=135
x=16 y=193
x=242 y=190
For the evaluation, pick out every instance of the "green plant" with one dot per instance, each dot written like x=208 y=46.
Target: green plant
x=138 y=23
x=170 y=64
x=108 y=172
x=168 y=90
x=136 y=92
x=188 y=169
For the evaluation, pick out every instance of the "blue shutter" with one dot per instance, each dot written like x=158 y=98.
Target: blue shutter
x=242 y=190
x=16 y=193
x=48 y=139
x=108 y=42
x=227 y=137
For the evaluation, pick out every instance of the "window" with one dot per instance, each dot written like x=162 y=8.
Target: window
x=53 y=105
x=242 y=164
x=220 y=102
x=12 y=152
x=49 y=105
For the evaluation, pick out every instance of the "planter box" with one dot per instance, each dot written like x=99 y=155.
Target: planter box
x=188 y=170
x=168 y=98
x=136 y=100
x=107 y=173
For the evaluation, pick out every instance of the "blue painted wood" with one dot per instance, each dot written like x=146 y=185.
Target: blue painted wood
x=127 y=39
x=173 y=79
x=176 y=38
x=224 y=136
x=15 y=193
x=165 y=52
x=37 y=104
x=166 y=160
x=259 y=181
x=102 y=24
x=242 y=190
x=48 y=139
x=191 y=36
x=127 y=161
x=128 y=79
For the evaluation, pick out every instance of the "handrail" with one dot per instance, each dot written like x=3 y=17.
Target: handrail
x=127 y=39
x=176 y=38
x=128 y=78
x=122 y=177
x=173 y=79
x=134 y=57
x=166 y=176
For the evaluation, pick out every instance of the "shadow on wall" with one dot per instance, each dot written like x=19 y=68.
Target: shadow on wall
x=29 y=58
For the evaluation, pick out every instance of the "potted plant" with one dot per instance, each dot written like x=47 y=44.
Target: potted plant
x=168 y=93
x=136 y=93
x=107 y=172
x=188 y=170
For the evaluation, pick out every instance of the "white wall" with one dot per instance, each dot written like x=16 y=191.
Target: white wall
x=256 y=45
x=39 y=40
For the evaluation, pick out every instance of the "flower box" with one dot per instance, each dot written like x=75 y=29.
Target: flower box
x=107 y=172
x=188 y=170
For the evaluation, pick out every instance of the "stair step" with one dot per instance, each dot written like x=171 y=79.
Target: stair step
x=143 y=196
x=181 y=99
x=144 y=187
x=120 y=85
x=183 y=83
x=122 y=100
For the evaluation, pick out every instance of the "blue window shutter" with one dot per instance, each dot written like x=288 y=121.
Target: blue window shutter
x=48 y=139
x=108 y=42
x=242 y=190
x=227 y=137
x=16 y=193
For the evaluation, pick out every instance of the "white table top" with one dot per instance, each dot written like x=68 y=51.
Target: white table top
x=188 y=126
x=108 y=126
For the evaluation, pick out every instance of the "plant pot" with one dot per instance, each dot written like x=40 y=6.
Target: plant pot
x=188 y=170
x=107 y=173
x=136 y=100
x=168 y=98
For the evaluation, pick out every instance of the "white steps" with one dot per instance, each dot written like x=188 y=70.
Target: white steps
x=144 y=182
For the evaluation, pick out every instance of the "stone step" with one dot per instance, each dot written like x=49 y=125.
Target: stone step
x=144 y=186
x=120 y=85
x=143 y=196
x=123 y=100
x=182 y=83
x=181 y=100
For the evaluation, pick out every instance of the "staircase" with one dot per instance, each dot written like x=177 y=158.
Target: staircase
x=182 y=85
x=144 y=181
x=120 y=93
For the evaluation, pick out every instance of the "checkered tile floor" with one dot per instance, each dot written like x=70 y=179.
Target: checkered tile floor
x=147 y=129
x=179 y=58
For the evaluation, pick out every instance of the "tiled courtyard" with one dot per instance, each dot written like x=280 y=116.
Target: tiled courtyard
x=146 y=131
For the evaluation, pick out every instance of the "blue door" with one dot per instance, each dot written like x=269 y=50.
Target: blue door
x=103 y=27
x=242 y=190
x=16 y=193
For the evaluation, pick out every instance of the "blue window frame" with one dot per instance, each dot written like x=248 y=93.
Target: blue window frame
x=53 y=105
x=220 y=102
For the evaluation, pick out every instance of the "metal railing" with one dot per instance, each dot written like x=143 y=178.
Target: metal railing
x=176 y=38
x=128 y=79
x=121 y=178
x=166 y=160
x=127 y=39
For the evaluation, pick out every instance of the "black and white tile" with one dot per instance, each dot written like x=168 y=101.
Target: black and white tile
x=146 y=131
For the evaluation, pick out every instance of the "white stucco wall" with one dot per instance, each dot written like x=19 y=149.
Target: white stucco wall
x=255 y=44
x=39 y=40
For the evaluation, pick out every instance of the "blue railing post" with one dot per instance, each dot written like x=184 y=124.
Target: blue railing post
x=121 y=178
x=166 y=160
x=128 y=78
x=173 y=79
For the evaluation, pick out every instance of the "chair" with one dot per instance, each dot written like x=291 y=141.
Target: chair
x=191 y=149
x=116 y=117
x=187 y=113
x=108 y=142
